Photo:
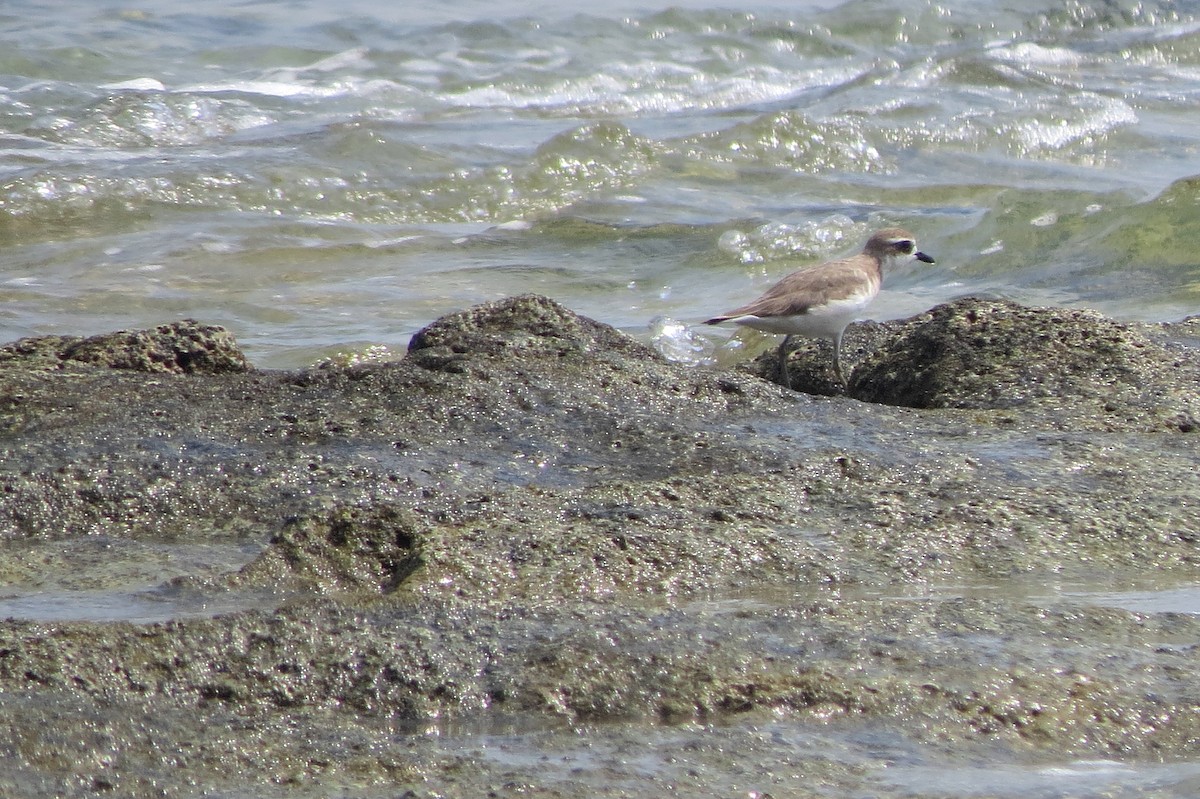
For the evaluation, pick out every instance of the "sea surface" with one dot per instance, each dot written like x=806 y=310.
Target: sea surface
x=328 y=177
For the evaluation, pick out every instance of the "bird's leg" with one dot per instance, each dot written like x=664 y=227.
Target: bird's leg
x=784 y=378
x=837 y=359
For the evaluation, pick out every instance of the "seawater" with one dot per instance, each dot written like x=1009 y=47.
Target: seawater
x=329 y=177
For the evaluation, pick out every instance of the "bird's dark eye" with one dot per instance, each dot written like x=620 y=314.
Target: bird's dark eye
x=906 y=246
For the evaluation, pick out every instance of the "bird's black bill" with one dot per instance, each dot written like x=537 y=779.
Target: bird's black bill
x=923 y=258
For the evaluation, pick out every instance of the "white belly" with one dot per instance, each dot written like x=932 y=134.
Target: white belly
x=827 y=321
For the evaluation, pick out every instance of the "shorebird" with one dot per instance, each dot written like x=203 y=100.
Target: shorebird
x=820 y=301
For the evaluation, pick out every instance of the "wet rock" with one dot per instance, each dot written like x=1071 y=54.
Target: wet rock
x=372 y=548
x=527 y=324
x=1068 y=367
x=990 y=354
x=810 y=360
x=532 y=517
x=179 y=347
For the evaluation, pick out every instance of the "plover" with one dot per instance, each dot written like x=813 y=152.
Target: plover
x=820 y=301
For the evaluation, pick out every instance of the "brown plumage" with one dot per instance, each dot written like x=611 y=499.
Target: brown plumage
x=820 y=301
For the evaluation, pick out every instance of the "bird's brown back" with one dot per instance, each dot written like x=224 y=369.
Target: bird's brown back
x=812 y=286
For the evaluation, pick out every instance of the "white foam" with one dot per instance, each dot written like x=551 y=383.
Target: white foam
x=379 y=244
x=677 y=342
x=269 y=88
x=1030 y=54
x=1059 y=129
x=136 y=84
x=515 y=224
x=653 y=86
x=354 y=57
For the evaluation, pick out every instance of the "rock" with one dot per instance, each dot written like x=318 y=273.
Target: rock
x=994 y=354
x=990 y=354
x=528 y=324
x=372 y=548
x=532 y=520
x=180 y=347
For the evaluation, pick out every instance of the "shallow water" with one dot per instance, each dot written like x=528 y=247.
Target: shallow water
x=115 y=579
x=326 y=177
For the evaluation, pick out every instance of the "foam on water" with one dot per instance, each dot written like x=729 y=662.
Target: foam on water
x=680 y=343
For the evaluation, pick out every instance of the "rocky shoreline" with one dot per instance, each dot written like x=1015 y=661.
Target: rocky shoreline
x=534 y=517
